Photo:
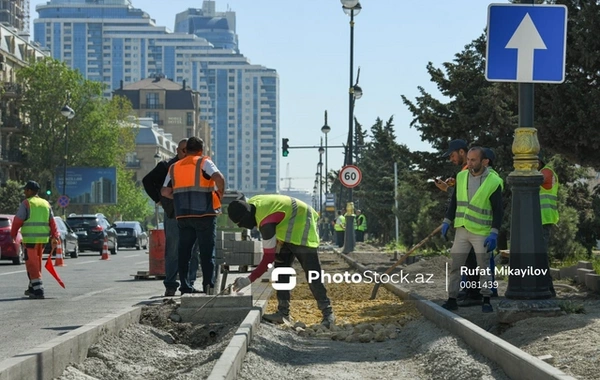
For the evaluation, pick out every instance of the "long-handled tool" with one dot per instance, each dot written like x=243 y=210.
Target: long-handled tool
x=403 y=258
x=227 y=290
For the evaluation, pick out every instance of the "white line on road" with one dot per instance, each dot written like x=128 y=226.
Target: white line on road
x=86 y=262
x=86 y=295
x=18 y=271
x=141 y=262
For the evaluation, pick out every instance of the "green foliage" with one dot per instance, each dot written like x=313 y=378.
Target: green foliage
x=132 y=203
x=562 y=239
x=11 y=197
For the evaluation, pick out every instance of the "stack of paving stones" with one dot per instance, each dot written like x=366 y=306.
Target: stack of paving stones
x=582 y=273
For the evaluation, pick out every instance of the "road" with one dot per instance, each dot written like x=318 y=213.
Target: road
x=94 y=288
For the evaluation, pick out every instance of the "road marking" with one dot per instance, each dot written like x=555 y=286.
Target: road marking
x=86 y=295
x=18 y=271
x=86 y=262
x=141 y=262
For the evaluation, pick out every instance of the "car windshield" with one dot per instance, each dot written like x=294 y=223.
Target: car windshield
x=82 y=222
x=4 y=222
x=124 y=230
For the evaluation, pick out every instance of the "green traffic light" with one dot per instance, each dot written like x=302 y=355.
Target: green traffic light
x=48 y=192
x=285 y=153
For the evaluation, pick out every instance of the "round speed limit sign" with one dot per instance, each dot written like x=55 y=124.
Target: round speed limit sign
x=350 y=176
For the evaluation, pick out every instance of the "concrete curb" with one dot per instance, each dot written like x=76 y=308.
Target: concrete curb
x=230 y=363
x=49 y=360
x=517 y=364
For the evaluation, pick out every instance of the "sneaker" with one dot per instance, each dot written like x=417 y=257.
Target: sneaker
x=328 y=320
x=170 y=292
x=468 y=301
x=487 y=308
x=191 y=291
x=28 y=291
x=450 y=304
x=36 y=296
x=277 y=318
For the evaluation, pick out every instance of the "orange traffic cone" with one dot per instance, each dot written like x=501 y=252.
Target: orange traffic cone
x=105 y=250
x=59 y=262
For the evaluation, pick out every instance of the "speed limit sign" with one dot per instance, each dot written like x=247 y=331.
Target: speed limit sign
x=350 y=176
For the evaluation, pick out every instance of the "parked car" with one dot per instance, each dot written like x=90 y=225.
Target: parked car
x=92 y=230
x=8 y=249
x=68 y=237
x=132 y=235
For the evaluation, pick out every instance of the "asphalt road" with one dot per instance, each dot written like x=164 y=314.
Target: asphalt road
x=94 y=288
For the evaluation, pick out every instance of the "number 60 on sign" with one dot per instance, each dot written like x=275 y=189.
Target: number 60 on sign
x=350 y=176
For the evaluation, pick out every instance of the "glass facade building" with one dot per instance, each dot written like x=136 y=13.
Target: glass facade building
x=110 y=41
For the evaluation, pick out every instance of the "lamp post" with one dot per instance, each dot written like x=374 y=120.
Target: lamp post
x=326 y=129
x=320 y=167
x=351 y=8
x=67 y=112
x=156 y=161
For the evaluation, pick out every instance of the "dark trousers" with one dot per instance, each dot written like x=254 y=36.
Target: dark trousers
x=309 y=260
x=546 y=233
x=205 y=231
x=339 y=238
x=360 y=236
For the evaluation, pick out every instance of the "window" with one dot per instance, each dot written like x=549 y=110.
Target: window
x=190 y=118
x=152 y=100
x=189 y=133
x=153 y=115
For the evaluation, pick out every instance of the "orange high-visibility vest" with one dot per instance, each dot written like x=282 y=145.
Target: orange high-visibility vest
x=194 y=192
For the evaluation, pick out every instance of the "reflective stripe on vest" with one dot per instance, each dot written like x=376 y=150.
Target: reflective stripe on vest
x=299 y=226
x=193 y=194
x=476 y=215
x=549 y=201
x=36 y=229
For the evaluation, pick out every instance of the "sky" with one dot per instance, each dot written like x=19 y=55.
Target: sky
x=308 y=43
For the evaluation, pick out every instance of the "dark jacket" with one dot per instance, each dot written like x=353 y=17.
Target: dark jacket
x=153 y=183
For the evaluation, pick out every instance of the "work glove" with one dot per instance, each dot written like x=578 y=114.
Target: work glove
x=55 y=243
x=491 y=242
x=240 y=283
x=445 y=228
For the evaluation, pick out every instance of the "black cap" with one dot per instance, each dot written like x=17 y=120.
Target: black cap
x=489 y=154
x=454 y=146
x=31 y=185
x=237 y=210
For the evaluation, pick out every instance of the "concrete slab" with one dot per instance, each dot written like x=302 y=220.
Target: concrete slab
x=516 y=363
x=555 y=273
x=585 y=264
x=568 y=272
x=199 y=300
x=213 y=314
x=581 y=273
x=511 y=311
x=592 y=281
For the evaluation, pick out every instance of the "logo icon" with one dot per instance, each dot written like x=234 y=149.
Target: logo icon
x=283 y=271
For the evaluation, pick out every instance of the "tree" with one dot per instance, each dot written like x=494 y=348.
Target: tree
x=11 y=197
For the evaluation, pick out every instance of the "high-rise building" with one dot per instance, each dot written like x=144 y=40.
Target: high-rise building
x=111 y=41
x=15 y=13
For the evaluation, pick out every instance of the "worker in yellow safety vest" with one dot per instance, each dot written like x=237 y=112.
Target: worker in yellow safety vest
x=340 y=228
x=548 y=206
x=290 y=225
x=361 y=226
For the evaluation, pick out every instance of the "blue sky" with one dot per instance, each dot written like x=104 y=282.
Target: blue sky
x=308 y=43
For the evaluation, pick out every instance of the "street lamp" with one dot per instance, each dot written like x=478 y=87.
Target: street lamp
x=326 y=129
x=67 y=112
x=351 y=8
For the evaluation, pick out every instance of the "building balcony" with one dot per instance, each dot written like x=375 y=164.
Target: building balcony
x=12 y=156
x=11 y=90
x=11 y=124
x=152 y=106
x=160 y=122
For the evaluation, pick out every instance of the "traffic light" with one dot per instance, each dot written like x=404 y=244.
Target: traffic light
x=285 y=147
x=48 y=188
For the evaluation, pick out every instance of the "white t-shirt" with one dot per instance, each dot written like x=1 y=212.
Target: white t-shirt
x=208 y=166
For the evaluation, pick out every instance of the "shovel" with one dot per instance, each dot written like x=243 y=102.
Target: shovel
x=403 y=258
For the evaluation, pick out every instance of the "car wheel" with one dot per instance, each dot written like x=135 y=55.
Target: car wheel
x=20 y=257
x=75 y=253
x=113 y=251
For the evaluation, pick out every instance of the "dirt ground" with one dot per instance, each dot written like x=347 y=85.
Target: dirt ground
x=573 y=339
x=156 y=348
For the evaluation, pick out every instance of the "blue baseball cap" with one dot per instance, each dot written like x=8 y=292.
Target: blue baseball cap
x=31 y=185
x=454 y=146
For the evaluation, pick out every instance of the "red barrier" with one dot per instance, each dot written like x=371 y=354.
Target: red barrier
x=157 y=253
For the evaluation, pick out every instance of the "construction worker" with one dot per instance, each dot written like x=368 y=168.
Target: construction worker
x=548 y=205
x=197 y=203
x=340 y=228
x=153 y=183
x=292 y=225
x=476 y=210
x=361 y=226
x=457 y=154
x=36 y=221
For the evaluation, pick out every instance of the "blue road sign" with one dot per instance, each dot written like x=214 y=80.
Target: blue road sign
x=63 y=201
x=526 y=43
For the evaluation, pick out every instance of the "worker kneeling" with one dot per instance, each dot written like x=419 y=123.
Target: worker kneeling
x=290 y=225
x=476 y=209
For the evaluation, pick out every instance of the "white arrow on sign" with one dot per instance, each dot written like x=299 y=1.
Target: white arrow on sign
x=526 y=40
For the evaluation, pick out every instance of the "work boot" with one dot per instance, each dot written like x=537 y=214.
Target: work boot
x=28 y=291
x=328 y=320
x=278 y=318
x=36 y=296
x=450 y=304
x=170 y=292
x=470 y=300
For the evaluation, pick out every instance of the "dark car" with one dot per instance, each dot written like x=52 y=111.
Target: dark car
x=68 y=237
x=92 y=230
x=10 y=250
x=131 y=234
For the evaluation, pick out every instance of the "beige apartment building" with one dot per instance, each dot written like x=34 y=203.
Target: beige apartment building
x=173 y=107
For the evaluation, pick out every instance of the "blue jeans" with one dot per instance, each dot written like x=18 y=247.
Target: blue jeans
x=203 y=231
x=172 y=257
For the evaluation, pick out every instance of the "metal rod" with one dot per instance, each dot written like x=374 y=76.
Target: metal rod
x=64 y=184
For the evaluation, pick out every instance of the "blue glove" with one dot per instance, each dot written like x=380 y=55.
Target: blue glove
x=445 y=228
x=491 y=242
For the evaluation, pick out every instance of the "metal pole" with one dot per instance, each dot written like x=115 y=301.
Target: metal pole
x=349 y=239
x=64 y=185
x=396 y=205
x=326 y=169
